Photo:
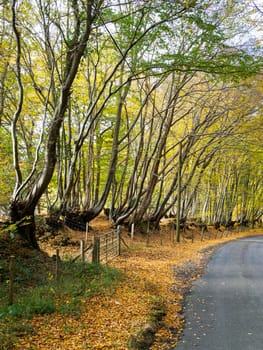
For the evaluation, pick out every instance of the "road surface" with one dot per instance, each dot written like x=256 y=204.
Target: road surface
x=224 y=310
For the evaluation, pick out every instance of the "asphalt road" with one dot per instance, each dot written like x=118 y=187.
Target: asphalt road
x=224 y=310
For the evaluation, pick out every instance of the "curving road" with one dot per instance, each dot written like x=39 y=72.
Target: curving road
x=224 y=310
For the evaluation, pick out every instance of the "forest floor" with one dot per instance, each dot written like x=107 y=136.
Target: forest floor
x=154 y=271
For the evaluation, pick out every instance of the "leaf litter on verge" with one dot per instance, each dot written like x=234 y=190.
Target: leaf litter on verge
x=107 y=321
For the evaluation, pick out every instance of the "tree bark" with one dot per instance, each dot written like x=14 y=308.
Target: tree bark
x=22 y=206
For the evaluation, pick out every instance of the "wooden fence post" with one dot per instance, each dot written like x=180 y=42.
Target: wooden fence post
x=82 y=253
x=96 y=250
x=148 y=233
x=11 y=279
x=132 y=232
x=106 y=248
x=202 y=233
x=57 y=265
x=87 y=231
x=118 y=240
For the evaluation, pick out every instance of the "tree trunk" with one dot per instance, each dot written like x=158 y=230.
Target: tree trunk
x=27 y=192
x=25 y=222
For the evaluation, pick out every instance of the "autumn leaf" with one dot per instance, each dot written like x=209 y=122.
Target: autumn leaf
x=108 y=320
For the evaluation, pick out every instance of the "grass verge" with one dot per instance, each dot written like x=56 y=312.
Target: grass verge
x=38 y=293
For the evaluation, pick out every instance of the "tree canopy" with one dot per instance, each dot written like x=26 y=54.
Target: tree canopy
x=98 y=100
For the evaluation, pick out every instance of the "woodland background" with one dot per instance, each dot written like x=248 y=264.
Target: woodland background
x=145 y=108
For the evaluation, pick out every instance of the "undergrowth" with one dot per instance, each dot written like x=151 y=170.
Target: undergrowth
x=38 y=292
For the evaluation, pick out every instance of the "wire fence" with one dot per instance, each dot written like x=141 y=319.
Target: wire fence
x=107 y=246
x=75 y=225
x=102 y=248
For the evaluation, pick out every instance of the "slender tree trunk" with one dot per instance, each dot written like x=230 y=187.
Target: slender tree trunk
x=22 y=206
x=179 y=184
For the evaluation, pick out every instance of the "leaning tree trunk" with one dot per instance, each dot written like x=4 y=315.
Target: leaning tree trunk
x=24 y=220
x=27 y=192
